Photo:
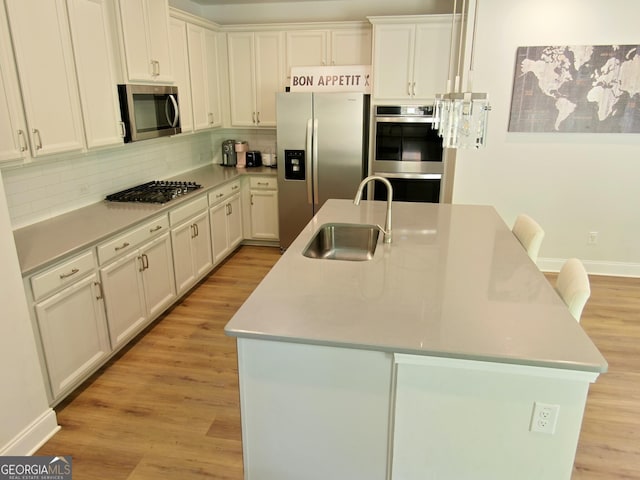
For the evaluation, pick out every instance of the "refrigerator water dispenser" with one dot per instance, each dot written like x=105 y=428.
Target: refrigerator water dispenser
x=294 y=165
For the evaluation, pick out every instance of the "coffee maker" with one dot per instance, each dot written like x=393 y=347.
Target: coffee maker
x=229 y=155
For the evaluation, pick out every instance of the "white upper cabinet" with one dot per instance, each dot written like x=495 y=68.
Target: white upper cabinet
x=182 y=79
x=44 y=57
x=351 y=46
x=95 y=63
x=204 y=69
x=145 y=32
x=14 y=142
x=348 y=44
x=411 y=56
x=255 y=75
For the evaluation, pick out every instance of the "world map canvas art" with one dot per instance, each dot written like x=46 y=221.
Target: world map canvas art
x=594 y=89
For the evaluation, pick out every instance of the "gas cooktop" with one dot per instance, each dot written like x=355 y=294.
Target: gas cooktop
x=157 y=191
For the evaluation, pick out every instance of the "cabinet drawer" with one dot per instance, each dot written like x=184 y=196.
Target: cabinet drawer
x=223 y=192
x=63 y=274
x=180 y=214
x=131 y=239
x=264 y=182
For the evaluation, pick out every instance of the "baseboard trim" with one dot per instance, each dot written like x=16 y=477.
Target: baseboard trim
x=33 y=437
x=594 y=267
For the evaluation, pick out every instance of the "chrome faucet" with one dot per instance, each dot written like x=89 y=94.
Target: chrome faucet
x=356 y=201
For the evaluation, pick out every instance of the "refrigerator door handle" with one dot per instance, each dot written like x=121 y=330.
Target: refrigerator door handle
x=307 y=160
x=316 y=189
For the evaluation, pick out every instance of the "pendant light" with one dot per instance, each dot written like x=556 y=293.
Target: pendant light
x=461 y=117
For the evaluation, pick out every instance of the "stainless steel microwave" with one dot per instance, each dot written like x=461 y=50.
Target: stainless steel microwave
x=149 y=111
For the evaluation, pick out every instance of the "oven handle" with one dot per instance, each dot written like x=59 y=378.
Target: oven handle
x=405 y=119
x=411 y=176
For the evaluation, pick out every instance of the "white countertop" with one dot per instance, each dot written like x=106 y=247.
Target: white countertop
x=454 y=283
x=45 y=242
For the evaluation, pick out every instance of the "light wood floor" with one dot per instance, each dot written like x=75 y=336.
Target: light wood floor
x=167 y=407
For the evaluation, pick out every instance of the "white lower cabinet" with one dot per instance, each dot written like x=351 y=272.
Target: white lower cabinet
x=138 y=287
x=73 y=333
x=191 y=251
x=226 y=227
x=263 y=210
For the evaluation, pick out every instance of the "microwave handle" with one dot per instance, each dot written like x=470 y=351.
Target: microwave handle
x=173 y=122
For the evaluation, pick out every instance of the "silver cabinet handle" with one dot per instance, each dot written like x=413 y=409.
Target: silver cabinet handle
x=155 y=229
x=235 y=187
x=253 y=117
x=219 y=195
x=144 y=262
x=210 y=118
x=100 y=292
x=124 y=245
x=36 y=136
x=413 y=89
x=67 y=275
x=197 y=229
x=258 y=118
x=155 y=68
x=251 y=199
x=22 y=141
x=123 y=129
x=266 y=184
x=409 y=88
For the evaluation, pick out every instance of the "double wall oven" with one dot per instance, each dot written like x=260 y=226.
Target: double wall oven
x=408 y=152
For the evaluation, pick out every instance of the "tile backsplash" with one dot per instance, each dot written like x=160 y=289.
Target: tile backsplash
x=54 y=185
x=51 y=186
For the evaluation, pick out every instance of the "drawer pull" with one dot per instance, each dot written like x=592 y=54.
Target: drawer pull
x=124 y=245
x=98 y=285
x=266 y=184
x=219 y=195
x=155 y=229
x=235 y=187
x=67 y=275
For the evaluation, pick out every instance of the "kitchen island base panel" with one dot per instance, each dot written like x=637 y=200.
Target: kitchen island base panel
x=316 y=412
x=457 y=419
x=313 y=412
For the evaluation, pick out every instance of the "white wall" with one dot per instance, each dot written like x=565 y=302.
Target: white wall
x=571 y=183
x=25 y=417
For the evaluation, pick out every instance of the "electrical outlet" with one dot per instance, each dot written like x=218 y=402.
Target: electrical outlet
x=544 y=418
x=592 y=239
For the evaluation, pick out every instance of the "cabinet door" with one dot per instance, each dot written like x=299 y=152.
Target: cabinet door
x=212 y=66
x=234 y=221
x=124 y=297
x=180 y=62
x=351 y=46
x=264 y=214
x=201 y=251
x=145 y=29
x=73 y=333
x=431 y=65
x=269 y=76
x=158 y=24
x=198 y=75
x=13 y=126
x=219 y=231
x=157 y=273
x=393 y=61
x=182 y=257
x=92 y=44
x=135 y=38
x=47 y=74
x=306 y=48
x=241 y=78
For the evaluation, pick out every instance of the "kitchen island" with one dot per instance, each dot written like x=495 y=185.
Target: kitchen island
x=447 y=355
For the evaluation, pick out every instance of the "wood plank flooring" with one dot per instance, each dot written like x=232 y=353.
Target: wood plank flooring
x=168 y=407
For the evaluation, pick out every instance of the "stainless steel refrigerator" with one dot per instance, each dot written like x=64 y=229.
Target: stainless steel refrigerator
x=322 y=143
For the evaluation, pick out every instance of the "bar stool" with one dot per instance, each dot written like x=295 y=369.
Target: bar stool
x=529 y=234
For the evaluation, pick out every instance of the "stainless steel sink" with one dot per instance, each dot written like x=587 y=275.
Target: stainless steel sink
x=343 y=241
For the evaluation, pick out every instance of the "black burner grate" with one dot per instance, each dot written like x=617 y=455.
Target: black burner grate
x=157 y=191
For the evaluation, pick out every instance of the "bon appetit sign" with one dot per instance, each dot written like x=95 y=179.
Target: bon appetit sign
x=340 y=78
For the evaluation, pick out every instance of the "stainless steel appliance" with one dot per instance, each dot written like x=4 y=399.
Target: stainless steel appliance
x=149 y=111
x=229 y=156
x=157 y=191
x=408 y=152
x=254 y=158
x=322 y=143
